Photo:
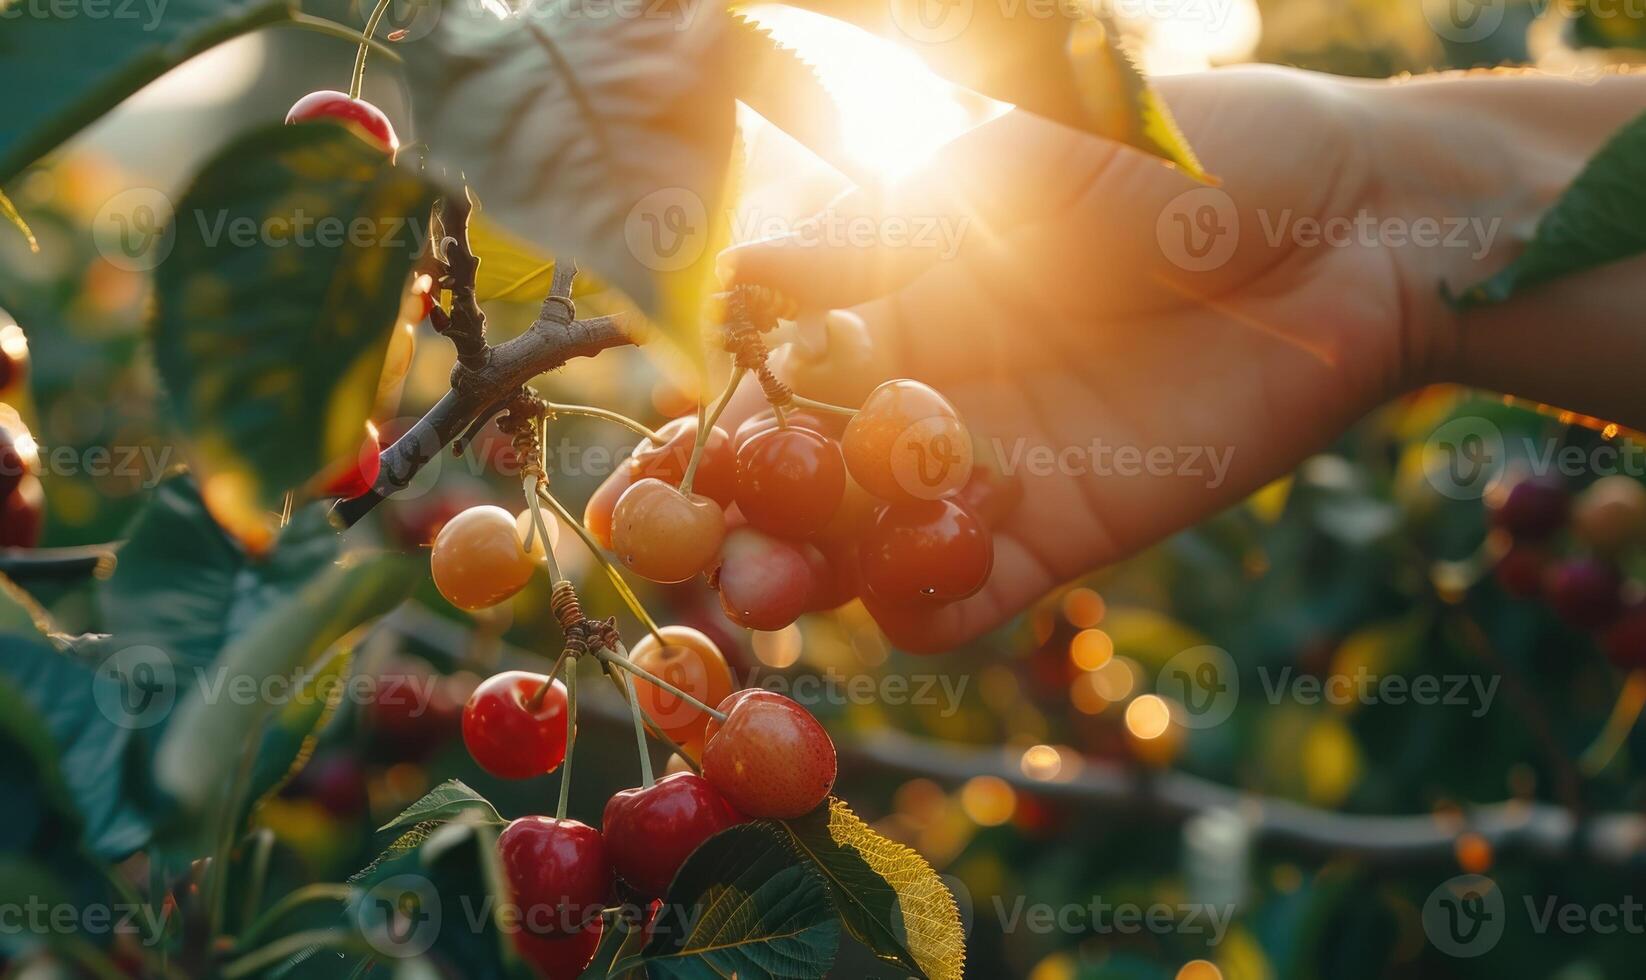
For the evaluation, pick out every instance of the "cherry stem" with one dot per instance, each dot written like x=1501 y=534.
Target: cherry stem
x=601 y=413
x=705 y=425
x=649 y=677
x=358 y=80
x=621 y=656
x=612 y=574
x=813 y=403
x=543 y=691
x=539 y=530
x=571 y=742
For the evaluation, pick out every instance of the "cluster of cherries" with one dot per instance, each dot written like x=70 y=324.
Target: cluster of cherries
x=22 y=498
x=763 y=756
x=1567 y=551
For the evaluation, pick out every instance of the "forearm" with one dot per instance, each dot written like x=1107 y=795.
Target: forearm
x=1500 y=150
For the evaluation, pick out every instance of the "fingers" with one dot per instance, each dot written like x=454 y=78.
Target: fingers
x=1013 y=169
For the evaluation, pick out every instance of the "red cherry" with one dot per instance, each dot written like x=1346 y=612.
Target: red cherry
x=926 y=551
x=12 y=467
x=1584 y=592
x=790 y=481
x=667 y=461
x=23 y=514
x=1532 y=509
x=770 y=757
x=597 y=513
x=14 y=354
x=510 y=731
x=650 y=832
x=1520 y=571
x=354 y=477
x=1625 y=642
x=560 y=957
x=767 y=421
x=557 y=873
x=907 y=444
x=765 y=583
x=835 y=577
x=336 y=782
x=365 y=118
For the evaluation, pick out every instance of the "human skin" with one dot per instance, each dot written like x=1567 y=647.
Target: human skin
x=1071 y=314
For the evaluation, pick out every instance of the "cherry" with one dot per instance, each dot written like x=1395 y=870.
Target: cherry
x=1625 y=642
x=907 y=443
x=991 y=493
x=920 y=552
x=361 y=116
x=352 y=477
x=526 y=528
x=1520 y=571
x=23 y=514
x=560 y=957
x=665 y=535
x=1532 y=509
x=667 y=461
x=690 y=661
x=416 y=523
x=765 y=583
x=790 y=481
x=770 y=757
x=557 y=872
x=853 y=516
x=479 y=559
x=767 y=421
x=597 y=513
x=651 y=831
x=513 y=728
x=336 y=781
x=1610 y=515
x=14 y=354
x=12 y=467
x=1584 y=592
x=835 y=577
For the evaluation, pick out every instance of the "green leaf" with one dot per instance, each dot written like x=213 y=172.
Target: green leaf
x=593 y=135
x=202 y=748
x=274 y=310
x=887 y=895
x=9 y=211
x=741 y=906
x=785 y=90
x=63 y=70
x=289 y=740
x=1599 y=220
x=447 y=801
x=181 y=584
x=1060 y=64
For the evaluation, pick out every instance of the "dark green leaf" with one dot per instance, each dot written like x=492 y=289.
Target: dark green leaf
x=446 y=801
x=275 y=307
x=593 y=134
x=742 y=906
x=1599 y=220
x=63 y=67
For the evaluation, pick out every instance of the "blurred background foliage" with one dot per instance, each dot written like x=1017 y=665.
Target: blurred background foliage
x=1354 y=563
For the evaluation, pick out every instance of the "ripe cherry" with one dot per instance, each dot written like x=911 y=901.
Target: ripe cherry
x=767 y=421
x=835 y=576
x=770 y=757
x=665 y=535
x=597 y=513
x=690 y=661
x=1625 y=642
x=23 y=514
x=349 y=478
x=991 y=493
x=1584 y=592
x=933 y=550
x=336 y=781
x=1610 y=515
x=1520 y=571
x=1532 y=508
x=14 y=355
x=479 y=559
x=363 y=117
x=667 y=461
x=650 y=832
x=561 y=957
x=765 y=583
x=853 y=516
x=907 y=443
x=557 y=873
x=12 y=467
x=525 y=527
x=515 y=729
x=790 y=482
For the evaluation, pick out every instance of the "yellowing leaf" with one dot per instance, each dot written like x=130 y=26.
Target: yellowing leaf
x=9 y=210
